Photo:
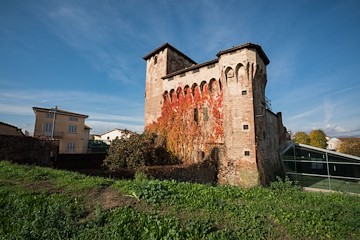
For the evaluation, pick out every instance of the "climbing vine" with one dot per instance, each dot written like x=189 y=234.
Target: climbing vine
x=190 y=120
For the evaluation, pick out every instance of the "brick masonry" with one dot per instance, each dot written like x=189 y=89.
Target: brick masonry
x=218 y=105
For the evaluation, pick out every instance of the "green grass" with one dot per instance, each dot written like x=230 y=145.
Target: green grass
x=42 y=203
x=340 y=185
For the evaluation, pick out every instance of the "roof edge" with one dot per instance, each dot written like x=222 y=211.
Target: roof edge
x=191 y=68
x=162 y=47
x=59 y=111
x=247 y=45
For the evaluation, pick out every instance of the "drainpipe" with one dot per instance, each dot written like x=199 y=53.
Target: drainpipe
x=53 y=110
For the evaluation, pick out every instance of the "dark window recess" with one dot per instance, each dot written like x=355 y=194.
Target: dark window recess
x=182 y=75
x=196 y=115
x=244 y=92
x=205 y=114
x=245 y=127
x=155 y=60
x=196 y=70
x=247 y=153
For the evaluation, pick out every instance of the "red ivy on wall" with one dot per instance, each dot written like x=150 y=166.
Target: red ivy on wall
x=191 y=120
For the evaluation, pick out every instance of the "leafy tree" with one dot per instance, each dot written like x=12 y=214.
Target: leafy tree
x=318 y=138
x=350 y=146
x=137 y=151
x=302 y=137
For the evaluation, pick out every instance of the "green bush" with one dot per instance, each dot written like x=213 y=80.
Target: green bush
x=138 y=151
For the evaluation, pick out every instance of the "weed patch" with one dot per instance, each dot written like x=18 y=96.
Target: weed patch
x=74 y=206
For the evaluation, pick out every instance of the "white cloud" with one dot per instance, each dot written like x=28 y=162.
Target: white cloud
x=90 y=31
x=15 y=109
x=20 y=103
x=303 y=115
x=109 y=117
x=335 y=130
x=100 y=127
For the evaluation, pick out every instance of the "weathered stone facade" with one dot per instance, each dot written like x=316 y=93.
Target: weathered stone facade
x=218 y=106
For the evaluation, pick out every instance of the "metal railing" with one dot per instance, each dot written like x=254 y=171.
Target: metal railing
x=49 y=134
x=319 y=168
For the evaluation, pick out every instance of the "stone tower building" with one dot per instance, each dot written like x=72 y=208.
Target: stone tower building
x=216 y=107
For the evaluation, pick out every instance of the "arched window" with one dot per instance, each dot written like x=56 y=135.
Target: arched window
x=214 y=87
x=241 y=73
x=172 y=95
x=166 y=97
x=229 y=73
x=193 y=89
x=202 y=84
x=179 y=93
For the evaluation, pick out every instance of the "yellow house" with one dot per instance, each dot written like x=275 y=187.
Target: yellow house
x=67 y=127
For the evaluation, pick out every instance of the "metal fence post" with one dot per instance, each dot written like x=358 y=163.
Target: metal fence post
x=328 y=170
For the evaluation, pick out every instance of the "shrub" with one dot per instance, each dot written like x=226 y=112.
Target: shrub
x=301 y=137
x=138 y=151
x=318 y=138
x=350 y=146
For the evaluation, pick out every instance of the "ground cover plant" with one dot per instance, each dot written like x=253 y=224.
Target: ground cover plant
x=42 y=203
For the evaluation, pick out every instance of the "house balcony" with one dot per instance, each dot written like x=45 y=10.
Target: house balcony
x=46 y=134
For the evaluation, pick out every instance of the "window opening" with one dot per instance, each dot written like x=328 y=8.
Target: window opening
x=205 y=114
x=72 y=129
x=196 y=115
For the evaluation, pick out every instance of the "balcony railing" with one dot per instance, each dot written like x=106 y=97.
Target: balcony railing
x=47 y=134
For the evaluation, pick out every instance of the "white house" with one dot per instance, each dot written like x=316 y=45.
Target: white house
x=108 y=137
x=333 y=144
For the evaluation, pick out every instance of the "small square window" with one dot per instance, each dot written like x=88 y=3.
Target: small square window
x=245 y=127
x=244 y=92
x=247 y=153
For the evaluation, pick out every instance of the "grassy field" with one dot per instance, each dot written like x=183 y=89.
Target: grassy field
x=42 y=203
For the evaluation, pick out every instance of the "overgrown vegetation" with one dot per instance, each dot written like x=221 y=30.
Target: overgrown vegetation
x=350 y=146
x=301 y=137
x=41 y=203
x=138 y=151
x=316 y=138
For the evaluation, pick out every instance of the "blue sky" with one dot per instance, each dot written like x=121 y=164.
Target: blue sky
x=86 y=56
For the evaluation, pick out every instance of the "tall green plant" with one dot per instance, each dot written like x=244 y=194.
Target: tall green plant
x=318 y=138
x=301 y=137
x=138 y=151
